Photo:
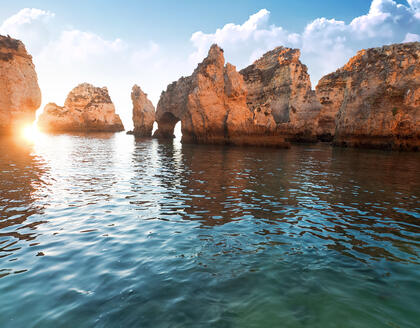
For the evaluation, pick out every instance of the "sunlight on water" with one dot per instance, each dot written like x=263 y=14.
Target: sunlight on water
x=106 y=230
x=30 y=132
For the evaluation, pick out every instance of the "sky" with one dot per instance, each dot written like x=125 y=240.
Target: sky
x=152 y=43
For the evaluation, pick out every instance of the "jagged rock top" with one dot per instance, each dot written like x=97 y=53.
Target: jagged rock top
x=86 y=95
x=279 y=86
x=137 y=94
x=374 y=100
x=380 y=59
x=10 y=47
x=276 y=57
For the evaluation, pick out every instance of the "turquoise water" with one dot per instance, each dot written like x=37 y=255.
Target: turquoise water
x=107 y=231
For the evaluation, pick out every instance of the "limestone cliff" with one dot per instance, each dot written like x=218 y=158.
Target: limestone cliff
x=86 y=109
x=211 y=105
x=280 y=94
x=143 y=113
x=20 y=95
x=374 y=100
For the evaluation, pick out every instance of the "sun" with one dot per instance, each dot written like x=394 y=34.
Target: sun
x=30 y=132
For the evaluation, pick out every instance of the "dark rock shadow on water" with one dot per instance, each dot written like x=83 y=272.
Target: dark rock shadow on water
x=334 y=199
x=21 y=178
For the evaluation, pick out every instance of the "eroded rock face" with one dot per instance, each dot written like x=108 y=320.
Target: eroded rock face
x=280 y=95
x=86 y=109
x=143 y=113
x=374 y=100
x=20 y=95
x=211 y=105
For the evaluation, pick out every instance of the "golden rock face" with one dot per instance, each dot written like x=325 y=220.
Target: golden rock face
x=86 y=109
x=143 y=113
x=279 y=93
x=374 y=100
x=212 y=106
x=20 y=95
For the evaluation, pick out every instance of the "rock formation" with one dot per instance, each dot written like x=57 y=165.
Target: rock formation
x=280 y=94
x=86 y=109
x=211 y=105
x=20 y=95
x=374 y=100
x=143 y=113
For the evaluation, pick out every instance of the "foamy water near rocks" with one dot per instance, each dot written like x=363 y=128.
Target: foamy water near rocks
x=20 y=95
x=86 y=109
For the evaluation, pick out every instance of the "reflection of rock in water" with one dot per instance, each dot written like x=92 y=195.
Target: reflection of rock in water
x=20 y=180
x=301 y=198
x=205 y=183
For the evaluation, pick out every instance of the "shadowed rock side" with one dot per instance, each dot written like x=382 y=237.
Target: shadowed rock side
x=211 y=105
x=143 y=113
x=374 y=100
x=20 y=95
x=86 y=109
x=280 y=95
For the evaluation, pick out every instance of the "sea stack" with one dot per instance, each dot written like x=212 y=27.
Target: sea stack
x=86 y=109
x=211 y=105
x=374 y=100
x=143 y=113
x=279 y=94
x=20 y=95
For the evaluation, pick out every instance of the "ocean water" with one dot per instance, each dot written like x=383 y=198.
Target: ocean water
x=108 y=231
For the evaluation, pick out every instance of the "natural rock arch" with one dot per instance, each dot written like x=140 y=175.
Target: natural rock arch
x=166 y=123
x=212 y=107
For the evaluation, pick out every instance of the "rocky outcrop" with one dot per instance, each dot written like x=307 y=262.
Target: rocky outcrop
x=20 y=95
x=374 y=100
x=280 y=95
x=211 y=105
x=143 y=113
x=86 y=109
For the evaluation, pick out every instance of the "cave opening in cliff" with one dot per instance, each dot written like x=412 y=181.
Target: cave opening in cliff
x=169 y=126
x=178 y=130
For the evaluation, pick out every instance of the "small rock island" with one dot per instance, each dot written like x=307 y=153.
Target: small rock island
x=20 y=95
x=86 y=109
x=143 y=113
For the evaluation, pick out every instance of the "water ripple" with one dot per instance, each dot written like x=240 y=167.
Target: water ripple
x=104 y=230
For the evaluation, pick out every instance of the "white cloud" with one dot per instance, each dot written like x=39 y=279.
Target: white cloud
x=29 y=24
x=65 y=57
x=326 y=44
x=411 y=37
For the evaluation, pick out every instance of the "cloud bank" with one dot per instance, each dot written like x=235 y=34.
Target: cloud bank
x=65 y=57
x=326 y=44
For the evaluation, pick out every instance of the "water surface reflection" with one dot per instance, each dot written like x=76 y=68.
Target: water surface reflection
x=107 y=230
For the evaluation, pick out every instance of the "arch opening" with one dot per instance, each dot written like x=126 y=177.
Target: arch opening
x=166 y=126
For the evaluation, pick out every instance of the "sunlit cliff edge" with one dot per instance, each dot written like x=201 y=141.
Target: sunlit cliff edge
x=373 y=101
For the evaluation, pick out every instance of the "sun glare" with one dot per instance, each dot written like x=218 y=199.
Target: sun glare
x=30 y=132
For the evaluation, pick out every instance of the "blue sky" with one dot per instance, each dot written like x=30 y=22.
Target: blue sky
x=152 y=43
